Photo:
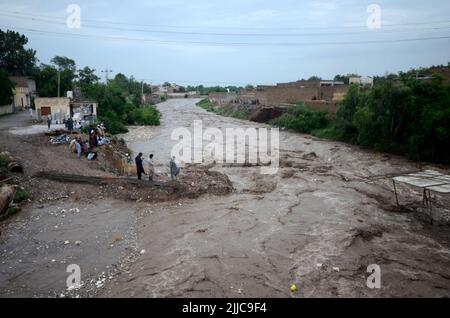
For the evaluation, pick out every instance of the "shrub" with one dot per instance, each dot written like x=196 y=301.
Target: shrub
x=20 y=195
x=302 y=118
x=146 y=116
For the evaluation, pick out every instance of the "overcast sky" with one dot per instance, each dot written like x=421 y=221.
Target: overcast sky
x=236 y=42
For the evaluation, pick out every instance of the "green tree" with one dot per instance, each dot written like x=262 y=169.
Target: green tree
x=14 y=57
x=86 y=76
x=46 y=78
x=344 y=117
x=6 y=88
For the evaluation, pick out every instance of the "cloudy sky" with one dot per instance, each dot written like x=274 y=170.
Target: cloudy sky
x=236 y=42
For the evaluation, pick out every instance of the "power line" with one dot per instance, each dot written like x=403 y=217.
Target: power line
x=207 y=43
x=228 y=28
x=378 y=31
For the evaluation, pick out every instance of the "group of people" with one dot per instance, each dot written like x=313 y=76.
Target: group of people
x=83 y=148
x=139 y=161
x=97 y=137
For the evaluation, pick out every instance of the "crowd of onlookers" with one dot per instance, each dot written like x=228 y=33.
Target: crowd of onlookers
x=97 y=137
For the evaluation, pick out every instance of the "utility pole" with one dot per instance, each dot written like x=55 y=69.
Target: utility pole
x=106 y=74
x=142 y=93
x=59 y=81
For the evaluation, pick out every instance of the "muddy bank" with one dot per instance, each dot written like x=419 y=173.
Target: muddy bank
x=90 y=225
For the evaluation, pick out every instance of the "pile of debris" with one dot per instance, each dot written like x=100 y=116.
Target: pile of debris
x=60 y=139
x=194 y=182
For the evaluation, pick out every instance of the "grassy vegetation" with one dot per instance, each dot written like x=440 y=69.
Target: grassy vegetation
x=205 y=104
x=3 y=161
x=224 y=111
x=145 y=116
x=302 y=118
x=20 y=195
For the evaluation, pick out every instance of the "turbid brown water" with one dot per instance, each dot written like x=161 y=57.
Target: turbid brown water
x=318 y=223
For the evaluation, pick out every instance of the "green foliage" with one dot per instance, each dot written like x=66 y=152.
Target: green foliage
x=15 y=59
x=3 y=161
x=20 y=195
x=118 y=104
x=314 y=78
x=408 y=117
x=6 y=88
x=145 y=116
x=46 y=76
x=302 y=118
x=205 y=104
x=224 y=111
x=87 y=77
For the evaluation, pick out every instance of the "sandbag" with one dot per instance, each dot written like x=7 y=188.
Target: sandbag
x=6 y=196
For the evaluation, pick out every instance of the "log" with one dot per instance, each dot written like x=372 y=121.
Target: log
x=6 y=196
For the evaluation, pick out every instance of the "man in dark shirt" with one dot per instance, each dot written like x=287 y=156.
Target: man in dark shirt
x=139 y=166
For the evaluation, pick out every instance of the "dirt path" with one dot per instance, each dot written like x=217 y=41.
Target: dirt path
x=317 y=223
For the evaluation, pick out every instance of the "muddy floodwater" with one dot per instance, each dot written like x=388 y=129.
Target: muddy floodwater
x=318 y=222
x=326 y=215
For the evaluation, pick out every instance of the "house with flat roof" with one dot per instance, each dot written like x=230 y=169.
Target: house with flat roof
x=24 y=92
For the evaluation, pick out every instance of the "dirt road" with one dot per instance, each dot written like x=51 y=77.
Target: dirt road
x=318 y=223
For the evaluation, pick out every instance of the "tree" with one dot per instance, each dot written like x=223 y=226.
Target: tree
x=314 y=78
x=86 y=76
x=6 y=88
x=344 y=78
x=15 y=59
x=64 y=63
x=46 y=79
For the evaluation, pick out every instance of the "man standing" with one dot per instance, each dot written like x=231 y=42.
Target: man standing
x=151 y=168
x=139 y=166
x=49 y=122
x=174 y=169
x=78 y=147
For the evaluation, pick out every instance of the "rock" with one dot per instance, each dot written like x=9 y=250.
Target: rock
x=6 y=197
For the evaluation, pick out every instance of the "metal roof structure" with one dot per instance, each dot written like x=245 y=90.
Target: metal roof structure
x=428 y=179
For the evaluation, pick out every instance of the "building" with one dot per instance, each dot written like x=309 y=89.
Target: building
x=62 y=108
x=319 y=94
x=24 y=92
x=58 y=108
x=221 y=98
x=363 y=81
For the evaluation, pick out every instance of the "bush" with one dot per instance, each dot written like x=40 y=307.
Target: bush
x=146 y=116
x=302 y=118
x=205 y=104
x=3 y=162
x=20 y=195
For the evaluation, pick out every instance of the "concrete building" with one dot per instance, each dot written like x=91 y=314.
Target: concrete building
x=363 y=81
x=24 y=92
x=62 y=108
x=316 y=93
x=221 y=98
